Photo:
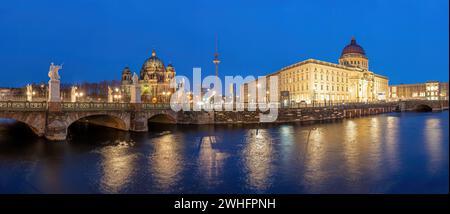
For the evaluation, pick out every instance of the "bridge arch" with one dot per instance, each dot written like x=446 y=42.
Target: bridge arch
x=161 y=118
x=422 y=108
x=114 y=120
x=34 y=120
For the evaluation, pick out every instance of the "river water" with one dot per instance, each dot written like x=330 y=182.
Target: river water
x=389 y=153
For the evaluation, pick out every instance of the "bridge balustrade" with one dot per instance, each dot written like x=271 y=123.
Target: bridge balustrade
x=151 y=106
x=94 y=106
x=22 y=106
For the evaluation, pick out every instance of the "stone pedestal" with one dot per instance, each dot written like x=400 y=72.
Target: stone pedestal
x=29 y=93
x=56 y=128
x=110 y=95
x=73 y=94
x=136 y=107
x=135 y=92
x=54 y=106
x=138 y=122
x=53 y=91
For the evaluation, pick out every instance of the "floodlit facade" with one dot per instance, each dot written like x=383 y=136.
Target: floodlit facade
x=154 y=80
x=431 y=90
x=315 y=81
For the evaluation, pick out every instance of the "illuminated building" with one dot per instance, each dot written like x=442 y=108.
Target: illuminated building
x=324 y=82
x=431 y=90
x=154 y=79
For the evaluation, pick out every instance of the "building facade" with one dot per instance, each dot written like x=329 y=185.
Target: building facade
x=431 y=90
x=154 y=80
x=315 y=81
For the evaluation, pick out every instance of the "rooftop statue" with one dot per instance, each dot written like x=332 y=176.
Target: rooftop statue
x=53 y=71
x=135 y=79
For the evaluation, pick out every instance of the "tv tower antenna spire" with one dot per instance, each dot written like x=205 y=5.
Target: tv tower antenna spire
x=216 y=60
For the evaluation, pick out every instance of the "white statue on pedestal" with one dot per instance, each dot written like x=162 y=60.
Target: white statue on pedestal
x=73 y=94
x=135 y=90
x=54 y=83
x=110 y=95
x=53 y=71
x=29 y=93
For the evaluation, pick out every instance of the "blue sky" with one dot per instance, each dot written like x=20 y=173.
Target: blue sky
x=406 y=40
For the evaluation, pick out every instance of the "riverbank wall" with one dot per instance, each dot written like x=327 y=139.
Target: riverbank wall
x=284 y=114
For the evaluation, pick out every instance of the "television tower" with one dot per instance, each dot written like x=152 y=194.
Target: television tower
x=216 y=60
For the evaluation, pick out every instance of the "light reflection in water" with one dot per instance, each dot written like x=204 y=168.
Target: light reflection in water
x=118 y=165
x=166 y=162
x=258 y=155
x=433 y=143
x=211 y=161
x=391 y=143
x=374 y=148
x=351 y=151
x=315 y=155
x=391 y=153
x=288 y=142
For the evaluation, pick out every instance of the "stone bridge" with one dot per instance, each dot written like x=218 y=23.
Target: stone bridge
x=52 y=120
x=422 y=105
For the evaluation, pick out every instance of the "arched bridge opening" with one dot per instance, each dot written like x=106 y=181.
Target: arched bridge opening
x=162 y=118
x=33 y=120
x=101 y=120
x=423 y=108
x=14 y=127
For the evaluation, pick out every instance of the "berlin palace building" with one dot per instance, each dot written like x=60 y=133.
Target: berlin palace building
x=317 y=81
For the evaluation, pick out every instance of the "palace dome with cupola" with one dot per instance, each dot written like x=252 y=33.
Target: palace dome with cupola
x=353 y=55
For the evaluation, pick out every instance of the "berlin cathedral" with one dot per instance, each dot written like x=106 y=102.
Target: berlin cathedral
x=154 y=81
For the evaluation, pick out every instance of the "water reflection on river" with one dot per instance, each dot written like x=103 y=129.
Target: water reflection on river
x=391 y=153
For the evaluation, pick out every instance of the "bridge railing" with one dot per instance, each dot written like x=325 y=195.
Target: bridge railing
x=22 y=106
x=94 y=106
x=103 y=106
x=100 y=106
x=151 y=106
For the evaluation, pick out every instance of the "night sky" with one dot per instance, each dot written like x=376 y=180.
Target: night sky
x=406 y=40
